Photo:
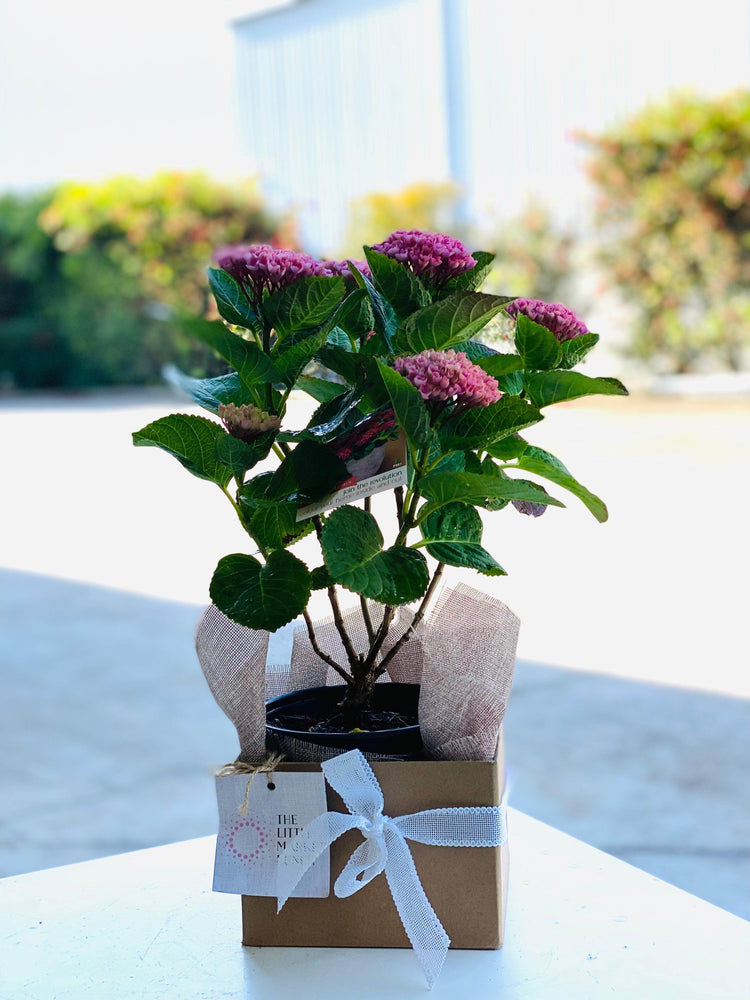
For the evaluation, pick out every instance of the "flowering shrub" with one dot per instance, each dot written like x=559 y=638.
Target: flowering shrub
x=400 y=334
x=673 y=200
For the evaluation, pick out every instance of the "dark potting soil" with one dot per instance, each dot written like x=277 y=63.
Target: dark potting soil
x=369 y=721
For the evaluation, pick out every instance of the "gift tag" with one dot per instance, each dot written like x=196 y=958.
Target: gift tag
x=249 y=844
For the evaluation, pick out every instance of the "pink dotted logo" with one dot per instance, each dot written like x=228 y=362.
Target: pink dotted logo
x=246 y=839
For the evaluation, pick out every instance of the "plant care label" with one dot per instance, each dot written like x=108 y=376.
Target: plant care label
x=259 y=815
x=374 y=453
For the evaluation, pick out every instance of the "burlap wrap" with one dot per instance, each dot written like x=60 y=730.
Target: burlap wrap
x=463 y=656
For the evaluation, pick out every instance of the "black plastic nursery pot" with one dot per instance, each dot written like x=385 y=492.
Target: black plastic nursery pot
x=322 y=703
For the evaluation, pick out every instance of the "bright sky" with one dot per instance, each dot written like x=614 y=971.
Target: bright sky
x=90 y=88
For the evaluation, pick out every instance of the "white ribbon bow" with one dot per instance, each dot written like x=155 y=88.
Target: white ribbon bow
x=384 y=849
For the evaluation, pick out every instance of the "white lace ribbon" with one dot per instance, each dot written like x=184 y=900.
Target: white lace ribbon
x=384 y=849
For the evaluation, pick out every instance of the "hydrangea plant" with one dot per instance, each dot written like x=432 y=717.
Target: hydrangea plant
x=394 y=333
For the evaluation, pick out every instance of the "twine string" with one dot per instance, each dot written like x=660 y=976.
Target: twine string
x=238 y=766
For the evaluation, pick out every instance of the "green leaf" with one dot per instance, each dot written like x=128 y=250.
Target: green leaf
x=481 y=426
x=309 y=473
x=336 y=416
x=256 y=489
x=386 y=321
x=542 y=463
x=261 y=596
x=475 y=350
x=355 y=315
x=339 y=338
x=209 y=393
x=251 y=364
x=511 y=384
x=240 y=455
x=353 y=552
x=443 y=487
x=397 y=283
x=321 y=578
x=447 y=322
x=575 y=350
x=360 y=370
x=454 y=461
x=453 y=534
x=321 y=389
x=497 y=365
x=538 y=347
x=508 y=448
x=231 y=301
x=275 y=525
x=471 y=280
x=192 y=440
x=546 y=388
x=303 y=305
x=292 y=356
x=408 y=405
x=329 y=419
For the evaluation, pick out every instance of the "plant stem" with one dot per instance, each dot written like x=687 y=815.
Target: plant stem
x=319 y=652
x=415 y=621
x=363 y=600
x=399 y=495
x=351 y=654
x=267 y=351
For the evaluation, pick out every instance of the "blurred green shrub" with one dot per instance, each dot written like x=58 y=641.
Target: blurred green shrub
x=90 y=274
x=674 y=222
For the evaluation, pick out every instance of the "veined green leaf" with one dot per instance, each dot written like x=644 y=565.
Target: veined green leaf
x=546 y=388
x=448 y=322
x=192 y=440
x=396 y=283
x=305 y=304
x=321 y=389
x=471 y=280
x=231 y=301
x=408 y=405
x=453 y=534
x=209 y=393
x=292 y=356
x=575 y=350
x=537 y=346
x=261 y=596
x=481 y=426
x=354 y=556
x=443 y=487
x=253 y=367
x=240 y=456
x=542 y=463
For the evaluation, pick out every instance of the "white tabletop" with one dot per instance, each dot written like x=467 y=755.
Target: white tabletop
x=581 y=925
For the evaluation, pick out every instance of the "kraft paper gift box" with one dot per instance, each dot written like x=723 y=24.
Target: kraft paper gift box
x=467 y=886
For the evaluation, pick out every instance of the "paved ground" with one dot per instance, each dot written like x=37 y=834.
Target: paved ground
x=630 y=721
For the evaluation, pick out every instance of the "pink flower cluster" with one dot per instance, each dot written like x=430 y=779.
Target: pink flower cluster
x=433 y=256
x=448 y=375
x=261 y=267
x=557 y=318
x=340 y=268
x=247 y=422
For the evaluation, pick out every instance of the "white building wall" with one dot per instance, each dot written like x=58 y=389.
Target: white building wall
x=342 y=97
x=336 y=101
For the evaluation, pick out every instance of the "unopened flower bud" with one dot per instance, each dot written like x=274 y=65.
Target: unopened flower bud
x=247 y=422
